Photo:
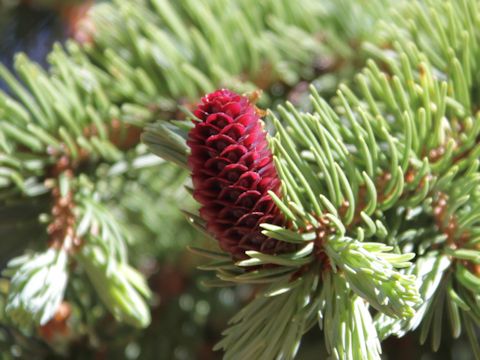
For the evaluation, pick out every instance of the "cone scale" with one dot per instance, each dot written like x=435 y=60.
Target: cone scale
x=232 y=173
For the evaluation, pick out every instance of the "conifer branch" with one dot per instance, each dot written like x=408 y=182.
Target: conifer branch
x=88 y=108
x=391 y=158
x=347 y=323
x=37 y=286
x=379 y=195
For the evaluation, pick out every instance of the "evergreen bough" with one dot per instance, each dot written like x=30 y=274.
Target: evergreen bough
x=380 y=185
x=69 y=133
x=380 y=189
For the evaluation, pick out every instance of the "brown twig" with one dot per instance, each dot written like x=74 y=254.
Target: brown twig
x=61 y=230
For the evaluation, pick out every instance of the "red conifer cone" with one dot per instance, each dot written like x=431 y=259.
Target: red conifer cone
x=232 y=172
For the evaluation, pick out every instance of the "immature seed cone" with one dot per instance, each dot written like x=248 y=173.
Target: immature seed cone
x=232 y=172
